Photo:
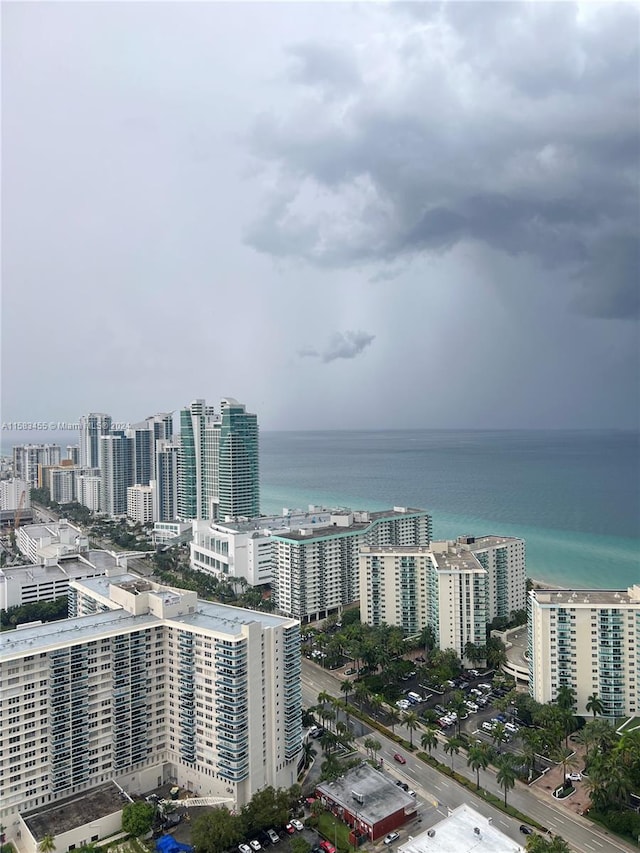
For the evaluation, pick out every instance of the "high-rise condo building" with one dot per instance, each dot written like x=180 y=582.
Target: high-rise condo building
x=239 y=471
x=218 y=462
x=315 y=566
x=144 y=437
x=92 y=426
x=140 y=503
x=116 y=472
x=195 y=486
x=29 y=458
x=166 y=479
x=148 y=685
x=14 y=493
x=447 y=586
x=588 y=640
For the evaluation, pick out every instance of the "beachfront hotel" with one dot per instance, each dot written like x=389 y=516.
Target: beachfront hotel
x=589 y=640
x=456 y=587
x=146 y=685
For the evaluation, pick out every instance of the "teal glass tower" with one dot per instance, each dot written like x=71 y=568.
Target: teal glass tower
x=238 y=467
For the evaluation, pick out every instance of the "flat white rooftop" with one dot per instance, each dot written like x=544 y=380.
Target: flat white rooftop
x=464 y=831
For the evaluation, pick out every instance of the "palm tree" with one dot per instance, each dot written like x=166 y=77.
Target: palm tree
x=566 y=757
x=478 y=759
x=499 y=734
x=530 y=748
x=331 y=768
x=393 y=717
x=429 y=739
x=452 y=746
x=506 y=775
x=362 y=694
x=346 y=687
x=595 y=705
x=457 y=704
x=566 y=697
x=376 y=701
x=411 y=722
x=330 y=716
x=47 y=844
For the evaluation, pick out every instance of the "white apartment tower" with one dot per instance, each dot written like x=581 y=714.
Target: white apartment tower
x=140 y=502
x=92 y=426
x=115 y=452
x=28 y=458
x=13 y=492
x=147 y=685
x=589 y=640
x=315 y=567
x=446 y=585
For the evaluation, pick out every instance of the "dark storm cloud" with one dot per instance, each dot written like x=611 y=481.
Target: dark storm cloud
x=512 y=125
x=341 y=345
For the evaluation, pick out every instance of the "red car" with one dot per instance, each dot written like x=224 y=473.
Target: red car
x=289 y=828
x=327 y=846
x=400 y=758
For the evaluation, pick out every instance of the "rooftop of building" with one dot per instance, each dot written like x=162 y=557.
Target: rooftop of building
x=344 y=522
x=209 y=616
x=64 y=815
x=316 y=519
x=464 y=831
x=458 y=561
x=49 y=528
x=491 y=541
x=378 y=797
x=69 y=567
x=588 y=597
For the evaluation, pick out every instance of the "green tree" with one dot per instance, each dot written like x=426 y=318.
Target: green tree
x=307 y=753
x=268 y=807
x=137 y=818
x=330 y=768
x=429 y=739
x=506 y=774
x=411 y=722
x=499 y=735
x=47 y=844
x=452 y=746
x=457 y=703
x=595 y=705
x=566 y=697
x=478 y=759
x=216 y=831
x=475 y=654
x=496 y=653
x=347 y=688
x=393 y=717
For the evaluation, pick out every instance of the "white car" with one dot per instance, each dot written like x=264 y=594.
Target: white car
x=575 y=777
x=296 y=824
x=255 y=845
x=244 y=848
x=484 y=686
x=510 y=727
x=393 y=836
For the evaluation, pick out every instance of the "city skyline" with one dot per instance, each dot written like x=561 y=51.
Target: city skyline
x=320 y=207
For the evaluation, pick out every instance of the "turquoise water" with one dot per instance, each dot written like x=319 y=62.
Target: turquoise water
x=573 y=496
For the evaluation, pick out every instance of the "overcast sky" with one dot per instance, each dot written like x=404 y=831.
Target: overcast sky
x=343 y=215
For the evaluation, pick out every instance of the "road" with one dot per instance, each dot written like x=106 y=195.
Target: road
x=434 y=787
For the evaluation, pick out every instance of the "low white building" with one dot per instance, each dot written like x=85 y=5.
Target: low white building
x=465 y=830
x=75 y=822
x=166 y=531
x=48 y=543
x=26 y=584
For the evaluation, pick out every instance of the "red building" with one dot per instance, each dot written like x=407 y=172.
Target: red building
x=366 y=800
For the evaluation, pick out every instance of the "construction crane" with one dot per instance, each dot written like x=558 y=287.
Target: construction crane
x=18 y=513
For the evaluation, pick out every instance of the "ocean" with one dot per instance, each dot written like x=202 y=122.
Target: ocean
x=573 y=496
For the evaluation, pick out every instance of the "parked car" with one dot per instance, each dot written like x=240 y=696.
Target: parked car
x=327 y=846
x=391 y=837
x=525 y=830
x=484 y=686
x=255 y=844
x=412 y=793
x=399 y=758
x=350 y=671
x=289 y=828
x=575 y=777
x=244 y=848
x=297 y=824
x=273 y=836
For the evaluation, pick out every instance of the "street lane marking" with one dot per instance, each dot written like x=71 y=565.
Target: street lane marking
x=597 y=842
x=504 y=823
x=589 y=846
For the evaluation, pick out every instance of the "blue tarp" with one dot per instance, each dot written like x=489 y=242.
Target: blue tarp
x=168 y=844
